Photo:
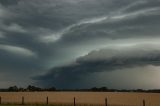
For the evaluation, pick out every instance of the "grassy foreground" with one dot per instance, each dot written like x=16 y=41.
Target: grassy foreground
x=59 y=104
x=63 y=104
x=29 y=105
x=54 y=105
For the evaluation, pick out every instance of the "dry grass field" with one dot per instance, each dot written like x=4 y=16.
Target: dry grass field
x=92 y=98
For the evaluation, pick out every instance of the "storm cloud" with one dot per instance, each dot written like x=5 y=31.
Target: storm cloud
x=104 y=60
x=62 y=40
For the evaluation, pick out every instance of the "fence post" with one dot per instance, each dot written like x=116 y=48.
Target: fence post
x=47 y=100
x=144 y=104
x=106 y=102
x=22 y=100
x=0 y=100
x=74 y=101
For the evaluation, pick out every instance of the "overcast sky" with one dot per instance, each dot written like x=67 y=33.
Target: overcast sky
x=80 y=43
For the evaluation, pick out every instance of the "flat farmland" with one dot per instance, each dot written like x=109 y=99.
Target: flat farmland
x=95 y=98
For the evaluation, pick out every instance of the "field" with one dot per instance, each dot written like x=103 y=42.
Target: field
x=81 y=98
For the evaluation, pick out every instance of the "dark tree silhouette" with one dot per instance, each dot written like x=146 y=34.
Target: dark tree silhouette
x=13 y=88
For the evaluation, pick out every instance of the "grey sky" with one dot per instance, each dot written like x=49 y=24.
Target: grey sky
x=70 y=43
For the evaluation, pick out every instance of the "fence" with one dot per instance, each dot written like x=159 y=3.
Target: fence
x=46 y=102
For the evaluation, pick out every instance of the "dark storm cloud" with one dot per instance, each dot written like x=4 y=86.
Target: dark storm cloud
x=135 y=24
x=23 y=22
x=55 y=14
x=9 y=2
x=104 y=60
x=40 y=34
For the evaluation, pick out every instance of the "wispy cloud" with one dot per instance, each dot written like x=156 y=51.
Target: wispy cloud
x=149 y=11
x=18 y=51
x=56 y=36
x=110 y=18
x=13 y=27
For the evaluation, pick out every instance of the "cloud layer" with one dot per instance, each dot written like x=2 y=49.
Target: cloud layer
x=104 y=60
x=83 y=37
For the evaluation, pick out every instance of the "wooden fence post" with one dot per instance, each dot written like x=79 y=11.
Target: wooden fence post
x=22 y=100
x=74 y=101
x=144 y=104
x=0 y=100
x=47 y=100
x=106 y=102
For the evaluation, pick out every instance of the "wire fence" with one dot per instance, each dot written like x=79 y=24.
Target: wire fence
x=73 y=103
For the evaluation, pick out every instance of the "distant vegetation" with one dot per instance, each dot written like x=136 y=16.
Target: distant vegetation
x=31 y=88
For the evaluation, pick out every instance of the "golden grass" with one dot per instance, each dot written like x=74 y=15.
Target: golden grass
x=82 y=98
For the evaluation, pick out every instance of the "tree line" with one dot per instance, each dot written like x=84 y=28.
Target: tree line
x=31 y=88
x=28 y=88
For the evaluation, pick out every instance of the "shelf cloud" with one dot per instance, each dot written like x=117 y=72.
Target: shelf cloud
x=104 y=60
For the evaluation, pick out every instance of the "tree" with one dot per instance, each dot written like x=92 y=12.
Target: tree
x=13 y=88
x=33 y=88
x=51 y=89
